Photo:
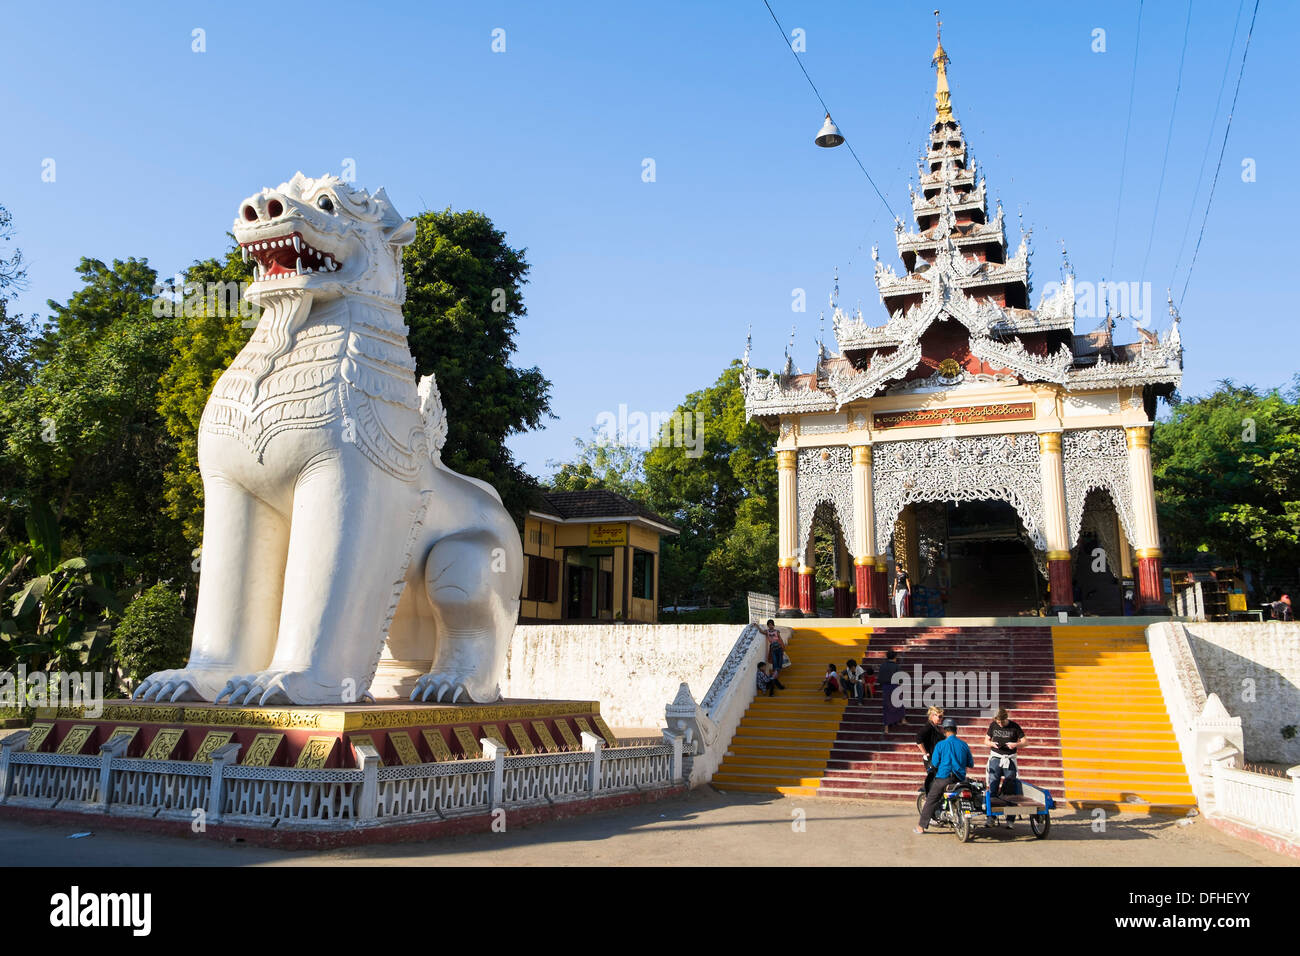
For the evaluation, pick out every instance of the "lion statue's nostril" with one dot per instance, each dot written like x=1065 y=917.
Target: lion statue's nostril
x=249 y=213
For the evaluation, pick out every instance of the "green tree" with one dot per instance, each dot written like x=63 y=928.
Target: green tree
x=721 y=491
x=1227 y=477
x=56 y=612
x=464 y=296
x=83 y=433
x=603 y=464
x=208 y=337
x=154 y=634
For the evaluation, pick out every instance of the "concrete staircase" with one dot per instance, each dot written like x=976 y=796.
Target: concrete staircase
x=867 y=762
x=1086 y=697
x=783 y=742
x=1118 y=743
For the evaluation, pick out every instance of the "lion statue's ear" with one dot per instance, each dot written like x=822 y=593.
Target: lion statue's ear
x=403 y=234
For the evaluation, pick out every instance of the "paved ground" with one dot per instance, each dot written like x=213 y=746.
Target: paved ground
x=699 y=828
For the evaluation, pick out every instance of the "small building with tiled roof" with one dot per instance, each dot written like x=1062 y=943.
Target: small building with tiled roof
x=591 y=556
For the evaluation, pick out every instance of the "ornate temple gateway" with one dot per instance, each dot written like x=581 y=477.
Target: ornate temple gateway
x=981 y=444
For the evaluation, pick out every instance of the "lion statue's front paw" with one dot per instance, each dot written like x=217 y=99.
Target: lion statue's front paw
x=453 y=687
x=184 y=683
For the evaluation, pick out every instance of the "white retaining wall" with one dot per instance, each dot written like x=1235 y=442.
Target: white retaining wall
x=1268 y=655
x=634 y=670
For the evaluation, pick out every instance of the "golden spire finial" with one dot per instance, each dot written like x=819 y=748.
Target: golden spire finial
x=942 y=100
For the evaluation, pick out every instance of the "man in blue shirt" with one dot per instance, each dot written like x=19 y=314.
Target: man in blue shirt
x=950 y=759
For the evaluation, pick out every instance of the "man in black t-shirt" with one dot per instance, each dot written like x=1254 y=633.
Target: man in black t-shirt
x=1005 y=739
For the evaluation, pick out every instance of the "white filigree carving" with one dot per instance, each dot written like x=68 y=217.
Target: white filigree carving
x=1096 y=458
x=824 y=476
x=1099 y=521
x=999 y=467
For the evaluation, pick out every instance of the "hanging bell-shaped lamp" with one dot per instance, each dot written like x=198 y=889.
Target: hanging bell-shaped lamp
x=829 y=135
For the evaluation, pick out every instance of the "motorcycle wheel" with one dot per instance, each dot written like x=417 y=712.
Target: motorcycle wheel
x=1040 y=824
x=964 y=828
x=920 y=801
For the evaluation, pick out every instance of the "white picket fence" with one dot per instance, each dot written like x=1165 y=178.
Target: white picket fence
x=366 y=795
x=1257 y=800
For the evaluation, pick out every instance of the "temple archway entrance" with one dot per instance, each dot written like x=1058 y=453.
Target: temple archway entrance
x=969 y=559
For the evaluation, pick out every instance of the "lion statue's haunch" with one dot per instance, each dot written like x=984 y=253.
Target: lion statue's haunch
x=330 y=521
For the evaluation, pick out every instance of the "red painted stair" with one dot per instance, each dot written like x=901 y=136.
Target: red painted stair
x=867 y=762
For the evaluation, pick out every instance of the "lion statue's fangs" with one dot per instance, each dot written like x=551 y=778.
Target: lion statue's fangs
x=331 y=523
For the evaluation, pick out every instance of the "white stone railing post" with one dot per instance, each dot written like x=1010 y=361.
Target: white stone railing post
x=1294 y=774
x=368 y=760
x=675 y=741
x=114 y=747
x=1226 y=757
x=222 y=757
x=7 y=746
x=496 y=751
x=595 y=746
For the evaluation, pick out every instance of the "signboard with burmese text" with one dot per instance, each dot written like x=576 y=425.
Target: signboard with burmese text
x=964 y=415
x=606 y=535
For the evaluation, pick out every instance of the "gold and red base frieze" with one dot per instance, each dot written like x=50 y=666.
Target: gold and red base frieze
x=320 y=737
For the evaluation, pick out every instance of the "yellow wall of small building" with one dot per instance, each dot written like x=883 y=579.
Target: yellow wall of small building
x=547 y=539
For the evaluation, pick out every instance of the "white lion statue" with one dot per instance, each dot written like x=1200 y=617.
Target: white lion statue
x=330 y=521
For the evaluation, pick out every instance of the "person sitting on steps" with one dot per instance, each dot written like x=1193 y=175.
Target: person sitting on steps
x=851 y=678
x=767 y=679
x=831 y=681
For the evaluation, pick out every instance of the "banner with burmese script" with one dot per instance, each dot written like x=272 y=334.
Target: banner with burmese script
x=606 y=535
x=963 y=415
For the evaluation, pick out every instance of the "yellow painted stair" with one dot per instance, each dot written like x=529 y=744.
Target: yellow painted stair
x=783 y=742
x=1117 y=744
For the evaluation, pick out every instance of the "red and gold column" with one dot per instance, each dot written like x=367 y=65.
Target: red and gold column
x=880 y=586
x=1150 y=575
x=1060 y=573
x=788 y=588
x=864 y=532
x=1060 y=579
x=841 y=588
x=787 y=524
x=862 y=580
x=807 y=590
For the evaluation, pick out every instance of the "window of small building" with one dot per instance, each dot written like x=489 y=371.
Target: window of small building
x=643 y=575
x=541 y=579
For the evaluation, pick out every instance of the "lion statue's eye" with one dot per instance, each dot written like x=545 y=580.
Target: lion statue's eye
x=325 y=203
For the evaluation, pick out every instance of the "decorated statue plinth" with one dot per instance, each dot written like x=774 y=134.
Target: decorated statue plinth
x=320 y=737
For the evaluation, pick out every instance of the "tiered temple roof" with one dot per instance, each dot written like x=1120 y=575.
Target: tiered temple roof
x=960 y=312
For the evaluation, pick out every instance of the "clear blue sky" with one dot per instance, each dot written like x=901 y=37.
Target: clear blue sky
x=642 y=292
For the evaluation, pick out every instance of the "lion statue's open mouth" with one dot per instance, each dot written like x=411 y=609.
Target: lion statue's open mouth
x=287 y=256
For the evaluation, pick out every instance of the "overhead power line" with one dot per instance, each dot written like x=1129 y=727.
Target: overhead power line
x=785 y=39
x=1169 y=137
x=1209 y=140
x=1218 y=168
x=1123 y=164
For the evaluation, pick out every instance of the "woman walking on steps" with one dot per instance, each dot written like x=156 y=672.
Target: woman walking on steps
x=894 y=714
